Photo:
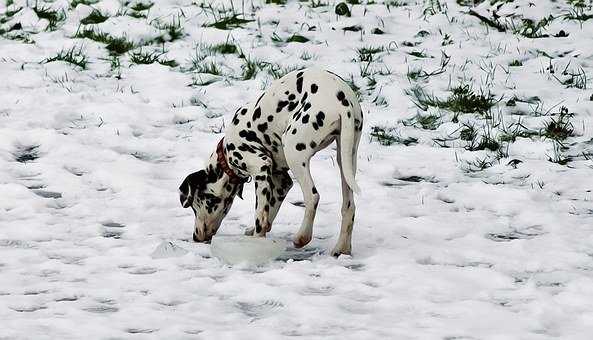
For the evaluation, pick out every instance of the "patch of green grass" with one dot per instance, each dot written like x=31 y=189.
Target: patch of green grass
x=306 y=56
x=95 y=35
x=353 y=28
x=276 y=2
x=54 y=17
x=8 y=14
x=198 y=81
x=224 y=48
x=171 y=31
x=318 y=3
x=465 y=100
x=486 y=143
x=377 y=31
x=75 y=3
x=418 y=73
x=251 y=68
x=462 y=100
x=276 y=39
x=209 y=67
x=141 y=57
x=229 y=22
x=119 y=45
x=74 y=56
x=427 y=122
x=559 y=128
x=388 y=136
x=277 y=71
x=516 y=63
x=297 y=38
x=418 y=54
x=558 y=156
x=96 y=17
x=573 y=78
x=142 y=6
x=467 y=133
x=579 y=13
x=533 y=29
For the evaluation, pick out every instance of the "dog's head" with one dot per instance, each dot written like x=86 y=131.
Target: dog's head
x=210 y=196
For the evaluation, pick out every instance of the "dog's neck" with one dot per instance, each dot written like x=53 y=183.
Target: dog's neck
x=221 y=176
x=222 y=162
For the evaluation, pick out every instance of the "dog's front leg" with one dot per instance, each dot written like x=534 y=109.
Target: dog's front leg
x=264 y=200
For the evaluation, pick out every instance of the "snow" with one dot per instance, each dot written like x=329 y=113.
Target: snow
x=441 y=249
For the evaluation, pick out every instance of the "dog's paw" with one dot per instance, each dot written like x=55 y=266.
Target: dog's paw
x=338 y=252
x=301 y=240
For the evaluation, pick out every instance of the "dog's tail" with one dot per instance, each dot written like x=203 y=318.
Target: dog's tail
x=349 y=138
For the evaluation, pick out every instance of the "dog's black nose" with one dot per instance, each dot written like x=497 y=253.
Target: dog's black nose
x=196 y=238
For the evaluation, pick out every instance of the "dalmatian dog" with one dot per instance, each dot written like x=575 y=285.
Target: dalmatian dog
x=300 y=114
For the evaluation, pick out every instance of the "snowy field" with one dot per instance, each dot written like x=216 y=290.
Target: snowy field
x=475 y=219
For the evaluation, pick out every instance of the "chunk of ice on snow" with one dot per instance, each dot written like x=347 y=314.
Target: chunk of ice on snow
x=168 y=249
x=246 y=249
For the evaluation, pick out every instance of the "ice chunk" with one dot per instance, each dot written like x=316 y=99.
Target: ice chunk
x=246 y=249
x=168 y=249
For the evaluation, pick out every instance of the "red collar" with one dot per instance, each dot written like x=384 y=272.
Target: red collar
x=233 y=178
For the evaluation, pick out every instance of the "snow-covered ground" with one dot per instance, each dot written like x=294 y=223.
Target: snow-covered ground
x=473 y=223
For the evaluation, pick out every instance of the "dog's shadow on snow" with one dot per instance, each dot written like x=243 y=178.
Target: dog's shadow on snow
x=302 y=254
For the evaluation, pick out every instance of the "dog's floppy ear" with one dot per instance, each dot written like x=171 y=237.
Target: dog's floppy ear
x=191 y=184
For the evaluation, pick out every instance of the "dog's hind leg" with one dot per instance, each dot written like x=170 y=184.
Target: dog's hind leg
x=344 y=244
x=301 y=171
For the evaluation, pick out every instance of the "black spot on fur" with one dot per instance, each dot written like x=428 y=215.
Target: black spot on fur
x=258 y=99
x=262 y=127
x=314 y=88
x=300 y=74
x=270 y=118
x=292 y=97
x=243 y=111
x=314 y=190
x=299 y=84
x=256 y=114
x=304 y=98
x=238 y=155
x=292 y=105
x=341 y=96
x=345 y=102
x=257 y=226
x=281 y=105
x=320 y=117
x=307 y=106
x=301 y=146
x=294 y=131
x=267 y=139
x=251 y=136
x=305 y=119
x=315 y=126
x=348 y=114
x=313 y=145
